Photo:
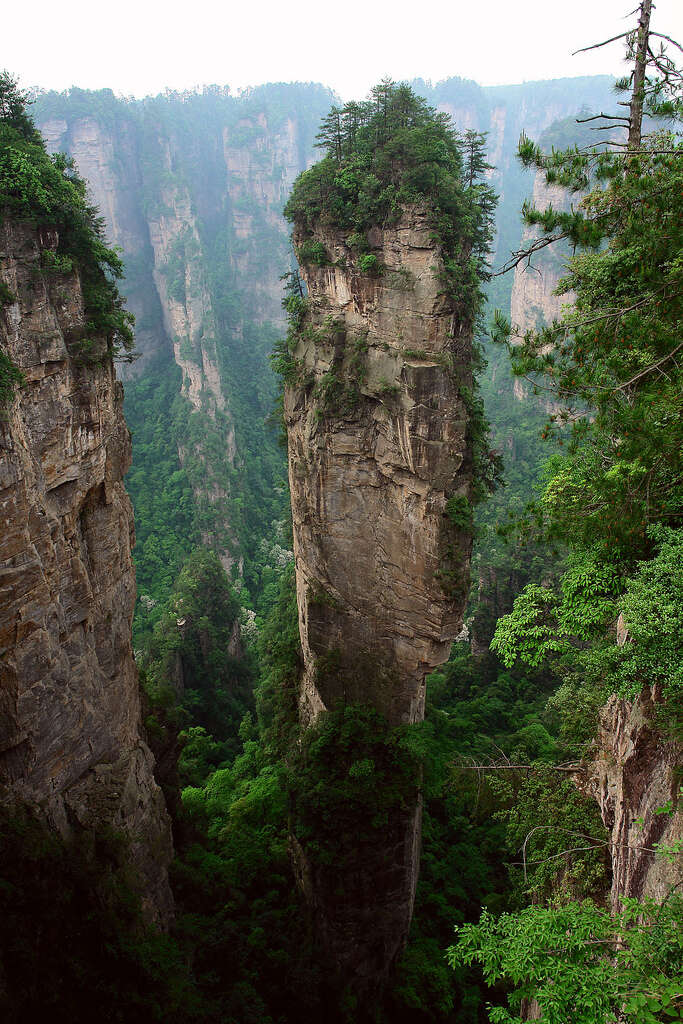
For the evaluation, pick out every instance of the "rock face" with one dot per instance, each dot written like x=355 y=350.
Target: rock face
x=199 y=222
x=192 y=189
x=70 y=740
x=378 y=443
x=635 y=773
x=533 y=302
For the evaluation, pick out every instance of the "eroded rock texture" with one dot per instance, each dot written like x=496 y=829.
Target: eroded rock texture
x=634 y=775
x=70 y=739
x=378 y=443
x=534 y=302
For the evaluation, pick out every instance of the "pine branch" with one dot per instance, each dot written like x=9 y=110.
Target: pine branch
x=596 y=46
x=648 y=369
x=526 y=254
x=668 y=39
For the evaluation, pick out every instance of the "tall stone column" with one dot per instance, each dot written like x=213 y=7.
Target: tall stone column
x=380 y=470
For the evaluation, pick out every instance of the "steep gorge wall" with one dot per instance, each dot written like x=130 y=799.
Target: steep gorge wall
x=635 y=773
x=192 y=188
x=192 y=191
x=378 y=441
x=70 y=725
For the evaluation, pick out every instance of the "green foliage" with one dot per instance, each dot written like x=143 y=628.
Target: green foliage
x=459 y=511
x=281 y=662
x=652 y=609
x=474 y=711
x=555 y=834
x=252 y=951
x=46 y=191
x=11 y=378
x=389 y=152
x=72 y=940
x=314 y=252
x=56 y=263
x=350 y=776
x=581 y=963
x=7 y=296
x=163 y=500
x=544 y=624
x=189 y=653
x=369 y=264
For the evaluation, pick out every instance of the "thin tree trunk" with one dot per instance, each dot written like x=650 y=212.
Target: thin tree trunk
x=638 y=94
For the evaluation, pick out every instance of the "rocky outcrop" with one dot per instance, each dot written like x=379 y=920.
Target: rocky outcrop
x=70 y=739
x=534 y=301
x=635 y=778
x=380 y=474
x=198 y=216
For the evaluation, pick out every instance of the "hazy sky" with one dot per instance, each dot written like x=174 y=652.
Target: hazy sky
x=138 y=47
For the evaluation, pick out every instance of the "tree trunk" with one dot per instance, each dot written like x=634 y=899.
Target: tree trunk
x=638 y=94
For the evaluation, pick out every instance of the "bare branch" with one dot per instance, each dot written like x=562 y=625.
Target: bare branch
x=648 y=369
x=596 y=117
x=596 y=46
x=526 y=254
x=668 y=39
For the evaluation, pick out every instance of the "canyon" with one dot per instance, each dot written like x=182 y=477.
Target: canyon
x=378 y=412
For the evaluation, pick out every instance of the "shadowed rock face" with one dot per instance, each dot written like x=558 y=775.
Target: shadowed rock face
x=634 y=773
x=70 y=738
x=378 y=443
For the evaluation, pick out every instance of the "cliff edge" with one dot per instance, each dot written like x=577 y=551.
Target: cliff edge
x=70 y=739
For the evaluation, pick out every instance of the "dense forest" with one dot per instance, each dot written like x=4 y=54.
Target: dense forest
x=576 y=602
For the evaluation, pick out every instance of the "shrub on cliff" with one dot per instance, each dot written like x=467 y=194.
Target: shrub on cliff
x=393 y=150
x=46 y=191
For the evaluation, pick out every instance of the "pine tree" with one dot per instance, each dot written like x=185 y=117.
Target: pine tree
x=330 y=134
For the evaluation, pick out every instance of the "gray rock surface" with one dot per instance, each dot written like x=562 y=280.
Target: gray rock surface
x=70 y=739
x=378 y=443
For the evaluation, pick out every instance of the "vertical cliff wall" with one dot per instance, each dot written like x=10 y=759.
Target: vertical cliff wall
x=192 y=187
x=70 y=740
x=378 y=445
x=634 y=775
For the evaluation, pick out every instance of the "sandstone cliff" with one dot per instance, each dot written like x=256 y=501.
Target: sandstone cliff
x=70 y=740
x=634 y=775
x=378 y=445
x=534 y=302
x=192 y=188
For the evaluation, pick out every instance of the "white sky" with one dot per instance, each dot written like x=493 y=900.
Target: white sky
x=140 y=47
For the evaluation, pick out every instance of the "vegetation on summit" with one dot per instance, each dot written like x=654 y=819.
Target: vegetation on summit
x=46 y=191
x=391 y=151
